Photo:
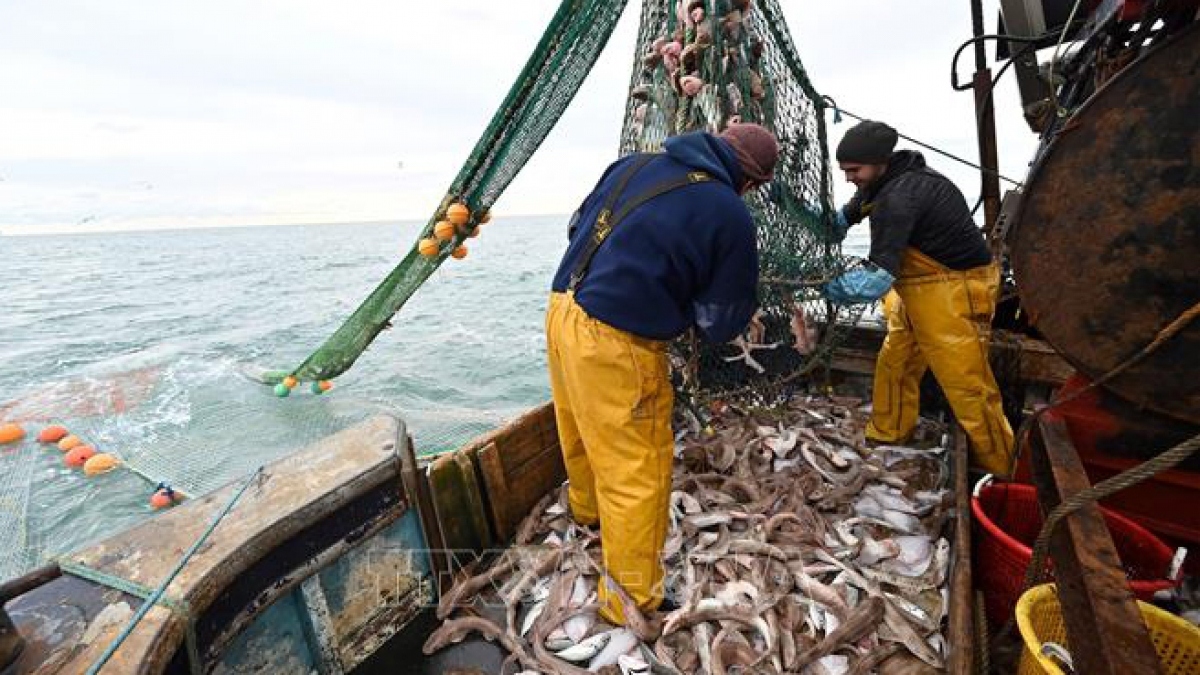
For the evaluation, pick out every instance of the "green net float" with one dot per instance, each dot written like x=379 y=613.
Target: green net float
x=282 y=390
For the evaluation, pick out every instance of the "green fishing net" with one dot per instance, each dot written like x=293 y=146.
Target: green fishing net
x=699 y=64
x=545 y=87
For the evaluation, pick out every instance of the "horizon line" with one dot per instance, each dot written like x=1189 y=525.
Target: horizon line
x=126 y=229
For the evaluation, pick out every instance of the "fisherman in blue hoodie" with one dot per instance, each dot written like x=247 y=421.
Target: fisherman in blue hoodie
x=663 y=242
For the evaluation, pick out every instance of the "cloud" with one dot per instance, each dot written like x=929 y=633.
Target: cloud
x=309 y=111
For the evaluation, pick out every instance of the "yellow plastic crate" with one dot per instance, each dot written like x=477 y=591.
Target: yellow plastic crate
x=1039 y=618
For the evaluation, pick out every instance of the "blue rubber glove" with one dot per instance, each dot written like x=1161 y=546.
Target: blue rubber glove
x=859 y=287
x=840 y=226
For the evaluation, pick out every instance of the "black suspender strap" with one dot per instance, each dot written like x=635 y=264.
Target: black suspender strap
x=606 y=221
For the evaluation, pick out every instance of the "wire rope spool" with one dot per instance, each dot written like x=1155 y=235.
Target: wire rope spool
x=1106 y=244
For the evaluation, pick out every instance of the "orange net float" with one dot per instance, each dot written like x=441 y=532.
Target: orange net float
x=100 y=464
x=11 y=433
x=428 y=247
x=52 y=434
x=459 y=253
x=163 y=497
x=458 y=214
x=77 y=456
x=444 y=230
x=69 y=442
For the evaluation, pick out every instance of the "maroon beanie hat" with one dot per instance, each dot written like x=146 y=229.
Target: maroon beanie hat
x=756 y=150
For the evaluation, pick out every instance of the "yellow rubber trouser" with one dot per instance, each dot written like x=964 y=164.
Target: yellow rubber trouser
x=613 y=402
x=941 y=318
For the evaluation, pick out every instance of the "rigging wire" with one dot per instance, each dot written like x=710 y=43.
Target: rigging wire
x=839 y=111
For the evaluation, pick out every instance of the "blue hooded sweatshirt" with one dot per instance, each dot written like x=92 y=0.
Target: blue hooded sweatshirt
x=686 y=257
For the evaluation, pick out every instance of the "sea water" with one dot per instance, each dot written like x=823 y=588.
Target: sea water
x=137 y=343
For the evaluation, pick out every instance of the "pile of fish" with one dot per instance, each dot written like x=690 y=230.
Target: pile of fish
x=682 y=70
x=792 y=548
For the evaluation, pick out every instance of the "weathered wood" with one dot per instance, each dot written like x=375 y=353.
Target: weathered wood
x=1105 y=631
x=322 y=633
x=1038 y=362
x=518 y=463
x=28 y=581
x=473 y=484
x=293 y=519
x=457 y=504
x=496 y=484
x=416 y=486
x=962 y=599
x=518 y=468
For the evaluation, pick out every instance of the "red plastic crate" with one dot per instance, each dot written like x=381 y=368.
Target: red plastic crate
x=1009 y=521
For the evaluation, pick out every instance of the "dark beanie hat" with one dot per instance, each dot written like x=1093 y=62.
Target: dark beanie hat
x=756 y=150
x=867 y=143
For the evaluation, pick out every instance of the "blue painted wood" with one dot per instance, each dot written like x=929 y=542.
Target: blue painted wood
x=274 y=643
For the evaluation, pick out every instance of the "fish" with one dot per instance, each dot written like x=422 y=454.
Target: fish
x=790 y=547
x=805 y=337
x=585 y=649
x=620 y=642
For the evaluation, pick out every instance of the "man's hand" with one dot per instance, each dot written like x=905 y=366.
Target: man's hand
x=858 y=287
x=840 y=225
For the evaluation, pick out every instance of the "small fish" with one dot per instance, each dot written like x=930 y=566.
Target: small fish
x=633 y=665
x=558 y=640
x=621 y=640
x=805 y=336
x=534 y=612
x=586 y=649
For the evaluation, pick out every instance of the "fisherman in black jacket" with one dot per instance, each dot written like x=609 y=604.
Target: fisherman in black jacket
x=931 y=265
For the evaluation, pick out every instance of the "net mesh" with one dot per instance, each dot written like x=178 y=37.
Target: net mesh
x=547 y=84
x=700 y=65
x=741 y=59
x=18 y=545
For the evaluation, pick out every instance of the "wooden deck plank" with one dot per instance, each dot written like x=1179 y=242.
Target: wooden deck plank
x=962 y=598
x=1105 y=630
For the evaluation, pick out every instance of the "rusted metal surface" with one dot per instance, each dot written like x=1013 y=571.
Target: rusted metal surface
x=961 y=633
x=1106 y=244
x=988 y=155
x=1104 y=627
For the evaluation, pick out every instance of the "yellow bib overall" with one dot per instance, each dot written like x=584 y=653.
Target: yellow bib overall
x=613 y=401
x=941 y=319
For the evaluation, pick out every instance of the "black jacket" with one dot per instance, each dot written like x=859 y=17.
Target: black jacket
x=913 y=205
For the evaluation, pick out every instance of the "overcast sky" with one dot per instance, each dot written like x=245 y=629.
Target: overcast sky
x=131 y=115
